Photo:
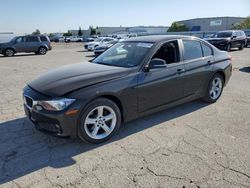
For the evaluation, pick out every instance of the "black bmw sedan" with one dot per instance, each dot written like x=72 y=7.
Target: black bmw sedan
x=133 y=78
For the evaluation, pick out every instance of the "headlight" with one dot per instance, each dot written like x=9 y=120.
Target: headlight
x=55 y=105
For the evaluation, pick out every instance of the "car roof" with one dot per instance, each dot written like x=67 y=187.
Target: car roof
x=32 y=35
x=228 y=31
x=104 y=37
x=157 y=38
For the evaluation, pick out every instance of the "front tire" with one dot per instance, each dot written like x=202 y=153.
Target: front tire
x=214 y=89
x=228 y=48
x=9 y=52
x=100 y=120
x=241 y=46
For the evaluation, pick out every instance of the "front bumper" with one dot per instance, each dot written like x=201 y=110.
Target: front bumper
x=98 y=52
x=91 y=48
x=49 y=47
x=53 y=122
x=221 y=46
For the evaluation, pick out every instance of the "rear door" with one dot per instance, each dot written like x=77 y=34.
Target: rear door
x=198 y=62
x=33 y=43
x=162 y=86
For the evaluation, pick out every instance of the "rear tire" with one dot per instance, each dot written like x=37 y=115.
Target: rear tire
x=42 y=51
x=9 y=52
x=99 y=121
x=214 y=89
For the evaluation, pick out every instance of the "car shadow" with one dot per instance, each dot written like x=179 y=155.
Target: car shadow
x=90 y=55
x=234 y=50
x=245 y=69
x=82 y=51
x=24 y=150
x=19 y=55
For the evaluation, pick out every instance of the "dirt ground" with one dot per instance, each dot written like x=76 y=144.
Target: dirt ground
x=193 y=145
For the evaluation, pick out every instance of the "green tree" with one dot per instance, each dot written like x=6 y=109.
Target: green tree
x=80 y=32
x=68 y=34
x=92 y=30
x=245 y=24
x=177 y=27
x=36 y=32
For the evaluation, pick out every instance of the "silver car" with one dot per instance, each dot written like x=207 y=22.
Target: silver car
x=38 y=44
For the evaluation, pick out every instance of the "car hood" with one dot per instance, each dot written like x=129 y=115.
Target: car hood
x=103 y=47
x=69 y=78
x=216 y=39
x=4 y=44
x=93 y=43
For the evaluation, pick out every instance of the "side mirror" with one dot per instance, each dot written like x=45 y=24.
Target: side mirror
x=155 y=63
x=233 y=37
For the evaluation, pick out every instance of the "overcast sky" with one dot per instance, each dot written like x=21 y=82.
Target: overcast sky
x=24 y=16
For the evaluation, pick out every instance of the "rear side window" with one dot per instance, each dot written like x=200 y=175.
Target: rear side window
x=192 y=49
x=207 y=51
x=43 y=39
x=32 y=39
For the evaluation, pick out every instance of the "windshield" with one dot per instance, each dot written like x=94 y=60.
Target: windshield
x=247 y=33
x=125 y=54
x=223 y=35
x=98 y=40
x=14 y=39
x=112 y=42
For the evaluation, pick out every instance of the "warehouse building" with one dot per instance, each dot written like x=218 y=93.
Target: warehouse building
x=6 y=36
x=212 y=24
x=138 y=29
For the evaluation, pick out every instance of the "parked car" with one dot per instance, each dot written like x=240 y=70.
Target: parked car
x=73 y=39
x=39 y=44
x=248 y=38
x=59 y=39
x=225 y=40
x=131 y=79
x=88 y=39
x=100 y=49
x=90 y=46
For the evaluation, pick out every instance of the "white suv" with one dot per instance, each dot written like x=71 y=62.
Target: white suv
x=90 y=46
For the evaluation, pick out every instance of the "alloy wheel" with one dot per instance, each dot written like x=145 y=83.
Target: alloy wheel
x=100 y=122
x=42 y=51
x=216 y=88
x=9 y=52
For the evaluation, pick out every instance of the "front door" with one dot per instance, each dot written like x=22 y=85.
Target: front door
x=20 y=44
x=161 y=86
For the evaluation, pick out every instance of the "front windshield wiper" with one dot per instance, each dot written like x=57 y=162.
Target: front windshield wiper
x=103 y=63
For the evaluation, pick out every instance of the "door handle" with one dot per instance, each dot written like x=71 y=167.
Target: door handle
x=209 y=62
x=179 y=71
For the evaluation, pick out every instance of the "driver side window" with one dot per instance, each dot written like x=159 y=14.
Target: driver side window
x=168 y=52
x=19 y=40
